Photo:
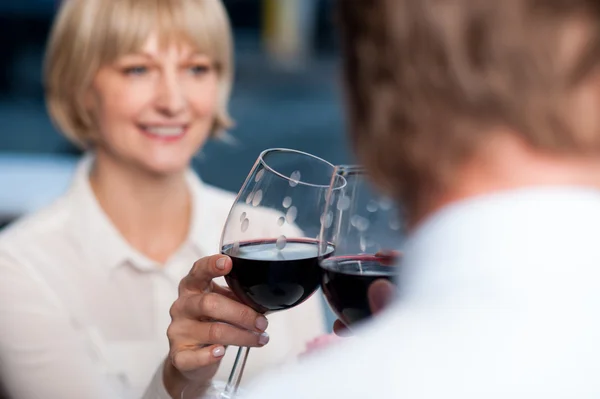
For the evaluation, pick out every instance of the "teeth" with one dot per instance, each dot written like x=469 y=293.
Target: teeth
x=164 y=131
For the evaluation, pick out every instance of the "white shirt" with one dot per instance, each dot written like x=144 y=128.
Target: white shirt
x=84 y=315
x=499 y=298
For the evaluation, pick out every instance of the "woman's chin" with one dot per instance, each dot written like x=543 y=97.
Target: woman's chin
x=166 y=167
x=155 y=163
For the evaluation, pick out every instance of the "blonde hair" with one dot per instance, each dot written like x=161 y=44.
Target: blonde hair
x=88 y=34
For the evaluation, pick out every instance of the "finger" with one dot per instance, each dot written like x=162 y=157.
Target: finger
x=190 y=333
x=225 y=291
x=213 y=306
x=381 y=293
x=320 y=342
x=340 y=329
x=387 y=257
x=189 y=360
x=203 y=271
x=389 y=252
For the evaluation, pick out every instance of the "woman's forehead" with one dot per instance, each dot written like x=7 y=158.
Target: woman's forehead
x=159 y=46
x=179 y=46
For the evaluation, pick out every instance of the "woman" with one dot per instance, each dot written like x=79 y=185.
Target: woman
x=87 y=283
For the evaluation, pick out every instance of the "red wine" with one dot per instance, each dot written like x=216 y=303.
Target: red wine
x=268 y=276
x=346 y=281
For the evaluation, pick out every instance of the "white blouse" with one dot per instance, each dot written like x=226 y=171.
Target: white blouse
x=84 y=315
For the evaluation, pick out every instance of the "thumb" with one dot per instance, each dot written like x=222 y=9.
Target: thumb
x=381 y=293
x=204 y=271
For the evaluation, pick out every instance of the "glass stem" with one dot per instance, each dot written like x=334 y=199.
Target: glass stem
x=236 y=373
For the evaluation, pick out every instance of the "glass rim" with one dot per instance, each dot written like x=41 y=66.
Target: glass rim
x=288 y=178
x=350 y=169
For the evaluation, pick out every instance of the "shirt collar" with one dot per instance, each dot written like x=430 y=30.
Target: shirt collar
x=483 y=210
x=505 y=227
x=204 y=218
x=101 y=240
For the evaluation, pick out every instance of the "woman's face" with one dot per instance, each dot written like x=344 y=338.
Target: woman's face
x=155 y=109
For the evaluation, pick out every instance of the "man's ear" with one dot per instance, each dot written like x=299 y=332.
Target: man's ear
x=88 y=98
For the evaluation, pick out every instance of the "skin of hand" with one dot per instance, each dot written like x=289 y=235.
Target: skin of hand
x=205 y=319
x=381 y=294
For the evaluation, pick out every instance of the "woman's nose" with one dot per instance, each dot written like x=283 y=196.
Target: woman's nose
x=171 y=96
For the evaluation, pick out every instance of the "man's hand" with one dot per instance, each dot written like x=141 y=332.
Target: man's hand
x=381 y=293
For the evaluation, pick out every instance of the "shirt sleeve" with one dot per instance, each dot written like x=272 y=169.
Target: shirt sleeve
x=43 y=355
x=156 y=389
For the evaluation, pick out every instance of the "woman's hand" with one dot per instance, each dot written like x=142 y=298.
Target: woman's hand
x=205 y=319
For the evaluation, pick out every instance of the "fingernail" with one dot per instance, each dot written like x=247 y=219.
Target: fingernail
x=262 y=323
x=263 y=339
x=219 y=351
x=221 y=263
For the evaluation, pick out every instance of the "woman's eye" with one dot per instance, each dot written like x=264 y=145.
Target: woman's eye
x=199 y=69
x=135 y=70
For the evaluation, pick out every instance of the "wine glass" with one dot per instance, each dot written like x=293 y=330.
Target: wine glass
x=271 y=236
x=366 y=231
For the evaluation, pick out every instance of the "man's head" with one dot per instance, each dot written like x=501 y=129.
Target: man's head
x=432 y=84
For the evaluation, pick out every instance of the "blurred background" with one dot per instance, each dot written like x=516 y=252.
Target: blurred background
x=286 y=94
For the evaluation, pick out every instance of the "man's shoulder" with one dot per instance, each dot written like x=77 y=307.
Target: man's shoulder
x=351 y=368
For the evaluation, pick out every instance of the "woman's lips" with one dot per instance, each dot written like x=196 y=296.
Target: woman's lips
x=164 y=133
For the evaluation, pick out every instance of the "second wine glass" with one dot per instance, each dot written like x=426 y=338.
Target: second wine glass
x=366 y=230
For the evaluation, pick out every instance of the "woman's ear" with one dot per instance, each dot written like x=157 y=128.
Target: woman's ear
x=87 y=105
